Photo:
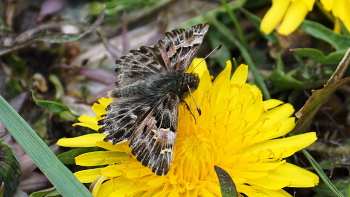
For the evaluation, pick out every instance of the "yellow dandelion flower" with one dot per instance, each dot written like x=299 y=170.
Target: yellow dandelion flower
x=288 y=13
x=340 y=10
x=237 y=131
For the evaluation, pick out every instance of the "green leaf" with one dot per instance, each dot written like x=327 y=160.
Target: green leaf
x=68 y=157
x=9 y=169
x=14 y=87
x=16 y=62
x=283 y=81
x=115 y=6
x=58 y=86
x=341 y=68
x=318 y=97
x=319 y=31
x=335 y=57
x=55 y=107
x=67 y=115
x=318 y=55
x=59 y=175
x=51 y=105
x=313 y=104
x=227 y=186
x=46 y=192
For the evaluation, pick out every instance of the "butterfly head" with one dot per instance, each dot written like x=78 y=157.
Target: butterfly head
x=189 y=83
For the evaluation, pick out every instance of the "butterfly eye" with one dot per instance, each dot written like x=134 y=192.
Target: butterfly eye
x=183 y=88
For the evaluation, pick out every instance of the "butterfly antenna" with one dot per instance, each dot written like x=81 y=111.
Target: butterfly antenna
x=214 y=50
x=188 y=108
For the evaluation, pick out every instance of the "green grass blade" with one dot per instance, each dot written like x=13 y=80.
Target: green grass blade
x=322 y=175
x=244 y=51
x=59 y=175
x=235 y=22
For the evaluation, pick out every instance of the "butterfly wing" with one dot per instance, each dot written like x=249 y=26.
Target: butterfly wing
x=174 y=52
x=179 y=47
x=152 y=134
x=138 y=65
x=122 y=116
x=144 y=115
x=153 y=140
x=129 y=106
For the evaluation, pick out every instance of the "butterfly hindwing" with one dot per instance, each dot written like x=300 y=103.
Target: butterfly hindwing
x=138 y=65
x=117 y=124
x=151 y=84
x=153 y=141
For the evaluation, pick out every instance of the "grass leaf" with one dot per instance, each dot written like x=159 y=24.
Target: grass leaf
x=322 y=175
x=59 y=175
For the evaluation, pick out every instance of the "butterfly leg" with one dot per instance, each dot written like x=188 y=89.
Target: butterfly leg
x=188 y=108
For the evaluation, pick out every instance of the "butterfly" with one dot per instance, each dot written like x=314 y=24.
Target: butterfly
x=151 y=85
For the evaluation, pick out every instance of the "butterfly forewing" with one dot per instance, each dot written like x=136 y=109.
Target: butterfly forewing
x=151 y=85
x=138 y=65
x=179 y=47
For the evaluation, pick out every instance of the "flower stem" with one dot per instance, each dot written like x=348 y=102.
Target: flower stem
x=235 y=23
x=226 y=32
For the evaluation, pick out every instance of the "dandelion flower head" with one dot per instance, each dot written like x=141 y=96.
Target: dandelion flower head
x=236 y=131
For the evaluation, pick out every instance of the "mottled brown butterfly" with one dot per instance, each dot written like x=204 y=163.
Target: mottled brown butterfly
x=151 y=84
